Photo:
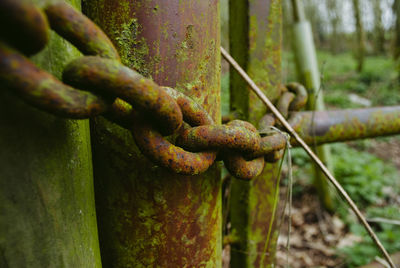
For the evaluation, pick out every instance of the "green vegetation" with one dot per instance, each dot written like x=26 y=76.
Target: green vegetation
x=365 y=251
x=365 y=177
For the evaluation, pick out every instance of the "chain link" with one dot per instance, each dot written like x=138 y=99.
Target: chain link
x=99 y=84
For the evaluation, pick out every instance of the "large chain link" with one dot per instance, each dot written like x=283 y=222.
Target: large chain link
x=99 y=84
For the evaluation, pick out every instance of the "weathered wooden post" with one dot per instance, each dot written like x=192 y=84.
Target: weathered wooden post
x=149 y=217
x=255 y=42
x=47 y=212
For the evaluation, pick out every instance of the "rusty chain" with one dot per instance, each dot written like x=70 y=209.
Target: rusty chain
x=99 y=84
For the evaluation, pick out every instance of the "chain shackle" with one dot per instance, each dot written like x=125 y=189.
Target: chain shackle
x=273 y=142
x=80 y=31
x=112 y=79
x=294 y=97
x=99 y=84
x=301 y=96
x=37 y=86
x=238 y=165
x=161 y=151
x=43 y=90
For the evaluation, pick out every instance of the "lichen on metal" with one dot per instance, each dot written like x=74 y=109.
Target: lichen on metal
x=342 y=125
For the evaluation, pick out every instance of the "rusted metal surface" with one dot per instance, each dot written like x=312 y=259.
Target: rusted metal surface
x=149 y=216
x=162 y=152
x=294 y=98
x=44 y=90
x=266 y=122
x=243 y=169
x=237 y=164
x=193 y=113
x=270 y=143
x=301 y=94
x=228 y=137
x=284 y=103
x=23 y=26
x=344 y=125
x=112 y=78
x=79 y=30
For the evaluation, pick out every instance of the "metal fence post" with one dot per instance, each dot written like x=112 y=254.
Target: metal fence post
x=255 y=42
x=308 y=73
x=149 y=217
x=47 y=211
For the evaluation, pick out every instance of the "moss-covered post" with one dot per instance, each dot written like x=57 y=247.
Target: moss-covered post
x=308 y=73
x=149 y=217
x=47 y=212
x=255 y=42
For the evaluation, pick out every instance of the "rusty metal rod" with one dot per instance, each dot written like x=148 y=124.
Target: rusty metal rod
x=321 y=127
x=313 y=156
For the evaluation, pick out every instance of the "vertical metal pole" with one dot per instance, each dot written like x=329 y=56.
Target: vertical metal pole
x=47 y=211
x=308 y=74
x=255 y=41
x=149 y=217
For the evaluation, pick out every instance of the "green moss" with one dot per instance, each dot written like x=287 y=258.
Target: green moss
x=48 y=217
x=239 y=42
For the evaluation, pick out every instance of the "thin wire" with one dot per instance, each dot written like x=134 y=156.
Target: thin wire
x=313 y=156
x=289 y=159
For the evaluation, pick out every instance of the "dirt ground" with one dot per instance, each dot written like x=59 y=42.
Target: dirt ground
x=314 y=234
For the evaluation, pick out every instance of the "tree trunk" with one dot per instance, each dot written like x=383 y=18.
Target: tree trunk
x=148 y=216
x=47 y=212
x=314 y=16
x=378 y=27
x=360 y=51
x=396 y=11
x=255 y=42
x=334 y=19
